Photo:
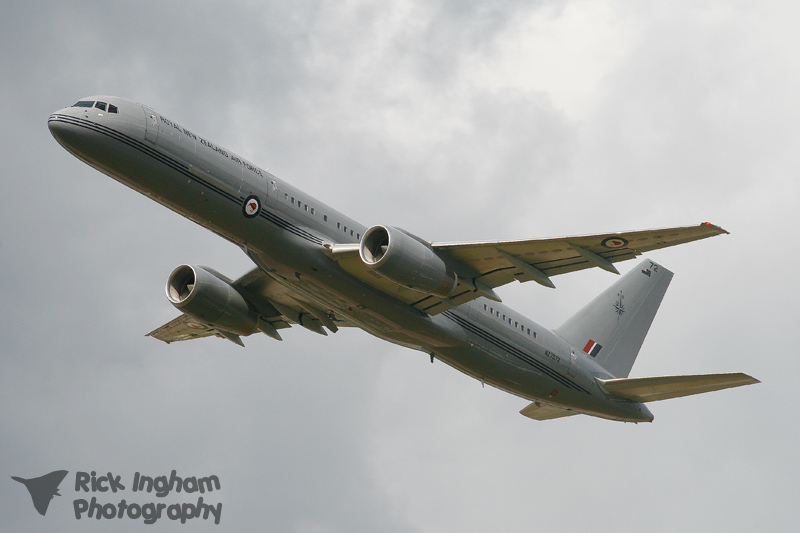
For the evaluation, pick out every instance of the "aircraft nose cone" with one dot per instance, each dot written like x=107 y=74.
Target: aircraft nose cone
x=58 y=127
x=64 y=128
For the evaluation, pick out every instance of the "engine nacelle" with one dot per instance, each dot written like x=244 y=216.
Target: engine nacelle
x=205 y=294
x=407 y=261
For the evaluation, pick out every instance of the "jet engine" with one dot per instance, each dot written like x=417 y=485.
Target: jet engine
x=406 y=260
x=207 y=295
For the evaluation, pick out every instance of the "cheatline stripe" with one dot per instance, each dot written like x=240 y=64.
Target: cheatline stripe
x=178 y=167
x=510 y=349
x=138 y=145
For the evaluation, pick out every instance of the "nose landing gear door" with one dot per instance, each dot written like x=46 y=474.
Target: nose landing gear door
x=150 y=125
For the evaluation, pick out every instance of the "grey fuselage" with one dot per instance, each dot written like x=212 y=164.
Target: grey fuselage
x=286 y=238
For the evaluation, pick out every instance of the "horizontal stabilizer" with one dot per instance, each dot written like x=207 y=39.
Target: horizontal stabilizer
x=541 y=411
x=665 y=387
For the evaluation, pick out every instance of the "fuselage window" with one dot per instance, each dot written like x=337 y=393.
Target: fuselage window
x=351 y=233
x=325 y=218
x=338 y=225
x=83 y=103
x=101 y=106
x=358 y=236
x=306 y=207
x=313 y=211
x=292 y=200
x=286 y=196
x=345 y=229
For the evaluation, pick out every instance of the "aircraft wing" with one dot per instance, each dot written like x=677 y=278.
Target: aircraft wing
x=666 y=387
x=483 y=266
x=278 y=308
x=183 y=328
x=504 y=261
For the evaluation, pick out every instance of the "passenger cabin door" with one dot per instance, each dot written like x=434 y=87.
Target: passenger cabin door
x=572 y=369
x=272 y=191
x=150 y=125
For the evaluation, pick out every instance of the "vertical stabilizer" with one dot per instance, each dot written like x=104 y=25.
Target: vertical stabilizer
x=613 y=326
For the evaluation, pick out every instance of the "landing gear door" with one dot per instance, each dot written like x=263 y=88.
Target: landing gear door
x=150 y=125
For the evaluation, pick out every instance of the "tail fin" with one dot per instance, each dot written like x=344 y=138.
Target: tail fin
x=613 y=326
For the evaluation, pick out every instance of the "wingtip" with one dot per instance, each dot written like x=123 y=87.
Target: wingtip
x=719 y=228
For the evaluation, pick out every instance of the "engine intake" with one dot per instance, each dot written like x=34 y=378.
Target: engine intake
x=406 y=260
x=205 y=294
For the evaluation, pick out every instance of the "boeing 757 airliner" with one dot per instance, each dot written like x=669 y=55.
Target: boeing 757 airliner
x=319 y=269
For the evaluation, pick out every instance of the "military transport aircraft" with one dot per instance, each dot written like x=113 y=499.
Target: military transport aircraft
x=320 y=269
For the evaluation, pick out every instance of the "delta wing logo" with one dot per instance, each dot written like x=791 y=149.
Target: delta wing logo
x=43 y=488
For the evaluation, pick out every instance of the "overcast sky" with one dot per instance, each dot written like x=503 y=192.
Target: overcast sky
x=457 y=120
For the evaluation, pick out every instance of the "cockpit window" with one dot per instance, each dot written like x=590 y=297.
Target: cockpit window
x=102 y=106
